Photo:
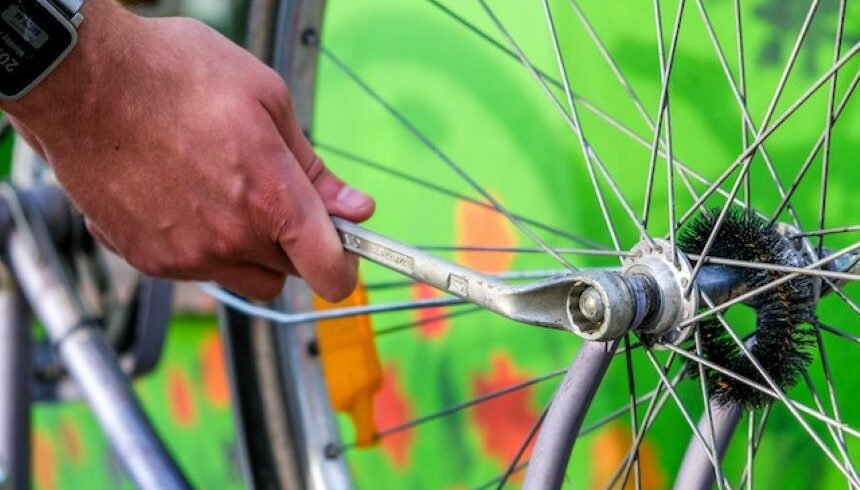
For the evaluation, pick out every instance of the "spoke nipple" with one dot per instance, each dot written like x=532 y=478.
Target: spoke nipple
x=591 y=305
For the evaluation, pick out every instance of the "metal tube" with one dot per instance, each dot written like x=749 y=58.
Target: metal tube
x=15 y=377
x=569 y=405
x=697 y=472
x=95 y=369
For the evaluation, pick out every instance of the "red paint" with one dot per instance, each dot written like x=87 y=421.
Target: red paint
x=44 y=461
x=505 y=421
x=431 y=326
x=392 y=408
x=70 y=437
x=213 y=370
x=180 y=398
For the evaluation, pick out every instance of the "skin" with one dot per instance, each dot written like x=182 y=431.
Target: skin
x=183 y=152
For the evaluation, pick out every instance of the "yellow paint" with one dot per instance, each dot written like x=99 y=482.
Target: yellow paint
x=351 y=364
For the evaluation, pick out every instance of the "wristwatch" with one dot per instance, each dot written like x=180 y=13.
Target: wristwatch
x=35 y=36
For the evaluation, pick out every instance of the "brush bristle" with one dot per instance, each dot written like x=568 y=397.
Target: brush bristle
x=782 y=335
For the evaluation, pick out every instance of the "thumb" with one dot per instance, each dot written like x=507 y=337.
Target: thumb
x=339 y=198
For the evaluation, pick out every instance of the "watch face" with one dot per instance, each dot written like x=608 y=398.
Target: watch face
x=33 y=38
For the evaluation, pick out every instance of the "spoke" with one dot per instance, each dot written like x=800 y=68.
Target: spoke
x=747 y=476
x=657 y=399
x=828 y=231
x=445 y=191
x=841 y=333
x=834 y=403
x=610 y=61
x=769 y=114
x=522 y=449
x=239 y=304
x=492 y=482
x=666 y=65
x=831 y=98
x=763 y=135
x=382 y=332
x=466 y=404
x=634 y=419
x=715 y=231
x=789 y=404
x=574 y=114
x=568 y=119
x=767 y=391
x=684 y=170
x=750 y=446
x=710 y=451
x=775 y=267
x=425 y=140
x=706 y=400
x=815 y=149
x=742 y=89
x=740 y=98
x=766 y=287
x=837 y=435
x=561 y=250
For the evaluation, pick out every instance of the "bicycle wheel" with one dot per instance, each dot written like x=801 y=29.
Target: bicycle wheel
x=532 y=139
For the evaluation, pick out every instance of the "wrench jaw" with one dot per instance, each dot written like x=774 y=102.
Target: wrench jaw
x=599 y=306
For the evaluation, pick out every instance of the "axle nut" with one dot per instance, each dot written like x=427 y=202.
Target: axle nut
x=600 y=306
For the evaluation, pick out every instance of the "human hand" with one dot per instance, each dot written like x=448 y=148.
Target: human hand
x=183 y=152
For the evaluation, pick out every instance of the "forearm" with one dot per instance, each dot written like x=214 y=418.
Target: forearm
x=78 y=80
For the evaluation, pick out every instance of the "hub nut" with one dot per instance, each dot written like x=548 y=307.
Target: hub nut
x=600 y=306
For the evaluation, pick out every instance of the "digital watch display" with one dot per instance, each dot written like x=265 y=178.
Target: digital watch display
x=35 y=36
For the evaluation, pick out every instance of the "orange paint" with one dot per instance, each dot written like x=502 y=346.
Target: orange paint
x=505 y=421
x=44 y=461
x=431 y=326
x=70 y=437
x=216 y=386
x=610 y=447
x=392 y=408
x=180 y=398
x=482 y=227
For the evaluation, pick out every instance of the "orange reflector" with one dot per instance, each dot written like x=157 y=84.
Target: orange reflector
x=350 y=364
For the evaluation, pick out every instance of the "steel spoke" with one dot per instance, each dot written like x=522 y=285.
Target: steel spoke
x=775 y=267
x=760 y=387
x=656 y=400
x=841 y=333
x=789 y=404
x=525 y=444
x=815 y=149
x=568 y=119
x=831 y=98
x=739 y=97
x=445 y=191
x=706 y=399
x=763 y=135
x=709 y=450
x=634 y=419
x=466 y=404
x=574 y=114
x=827 y=231
x=742 y=88
x=767 y=287
x=424 y=139
x=382 y=332
x=752 y=449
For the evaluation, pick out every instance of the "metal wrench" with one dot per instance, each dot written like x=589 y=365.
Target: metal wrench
x=547 y=303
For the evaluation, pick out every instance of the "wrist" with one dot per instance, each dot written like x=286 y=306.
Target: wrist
x=72 y=85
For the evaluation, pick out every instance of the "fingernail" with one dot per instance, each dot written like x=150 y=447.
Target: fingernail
x=351 y=198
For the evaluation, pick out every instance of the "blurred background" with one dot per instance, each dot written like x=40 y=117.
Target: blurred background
x=486 y=112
